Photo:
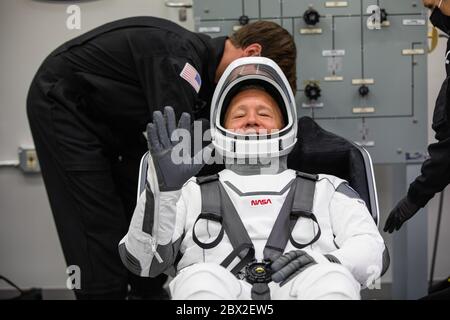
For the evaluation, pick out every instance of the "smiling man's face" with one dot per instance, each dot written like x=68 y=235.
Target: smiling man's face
x=253 y=111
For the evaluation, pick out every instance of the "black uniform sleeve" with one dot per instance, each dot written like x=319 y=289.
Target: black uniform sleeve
x=435 y=174
x=435 y=171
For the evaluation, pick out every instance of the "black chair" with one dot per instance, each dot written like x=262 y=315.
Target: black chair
x=320 y=151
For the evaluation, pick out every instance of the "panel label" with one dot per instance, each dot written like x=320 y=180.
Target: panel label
x=410 y=52
x=336 y=4
x=209 y=29
x=333 y=53
x=363 y=110
x=362 y=81
x=413 y=22
x=311 y=31
x=312 y=105
x=334 y=78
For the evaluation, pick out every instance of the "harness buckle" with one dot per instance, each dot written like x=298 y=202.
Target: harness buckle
x=258 y=272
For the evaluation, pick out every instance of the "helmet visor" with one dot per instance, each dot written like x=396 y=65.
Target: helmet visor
x=255 y=75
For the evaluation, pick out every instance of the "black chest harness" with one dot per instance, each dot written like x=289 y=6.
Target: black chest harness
x=218 y=207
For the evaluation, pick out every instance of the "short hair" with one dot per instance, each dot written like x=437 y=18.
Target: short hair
x=276 y=42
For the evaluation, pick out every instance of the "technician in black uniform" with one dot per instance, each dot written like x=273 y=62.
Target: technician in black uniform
x=435 y=175
x=88 y=107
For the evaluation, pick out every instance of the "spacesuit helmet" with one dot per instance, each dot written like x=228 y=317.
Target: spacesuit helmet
x=264 y=74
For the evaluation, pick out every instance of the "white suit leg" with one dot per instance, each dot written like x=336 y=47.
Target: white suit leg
x=208 y=281
x=323 y=281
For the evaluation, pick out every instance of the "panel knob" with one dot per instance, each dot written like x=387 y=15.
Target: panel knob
x=243 y=20
x=363 y=90
x=311 y=17
x=312 y=91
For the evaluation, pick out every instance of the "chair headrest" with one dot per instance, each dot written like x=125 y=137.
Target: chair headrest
x=320 y=151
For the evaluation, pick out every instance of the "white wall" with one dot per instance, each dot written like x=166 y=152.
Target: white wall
x=30 y=253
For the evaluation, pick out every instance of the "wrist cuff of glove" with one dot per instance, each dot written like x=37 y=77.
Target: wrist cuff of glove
x=332 y=258
x=412 y=204
x=415 y=198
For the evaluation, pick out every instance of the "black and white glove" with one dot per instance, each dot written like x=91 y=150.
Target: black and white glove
x=289 y=265
x=294 y=262
x=171 y=174
x=404 y=210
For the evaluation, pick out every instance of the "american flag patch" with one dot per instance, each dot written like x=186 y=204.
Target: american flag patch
x=191 y=75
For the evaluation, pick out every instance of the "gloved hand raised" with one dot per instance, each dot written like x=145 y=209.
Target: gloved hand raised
x=170 y=172
x=403 y=211
x=289 y=265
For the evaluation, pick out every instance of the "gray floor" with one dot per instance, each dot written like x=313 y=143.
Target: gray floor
x=47 y=294
x=384 y=293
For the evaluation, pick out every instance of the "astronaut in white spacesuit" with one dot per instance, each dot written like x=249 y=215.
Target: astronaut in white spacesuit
x=256 y=230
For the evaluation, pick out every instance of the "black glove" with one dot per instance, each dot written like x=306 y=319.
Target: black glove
x=403 y=211
x=171 y=171
x=289 y=265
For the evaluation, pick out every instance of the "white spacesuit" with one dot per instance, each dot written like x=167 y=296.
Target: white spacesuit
x=257 y=229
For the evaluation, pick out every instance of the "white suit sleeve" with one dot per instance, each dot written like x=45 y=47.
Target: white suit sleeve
x=151 y=245
x=356 y=234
